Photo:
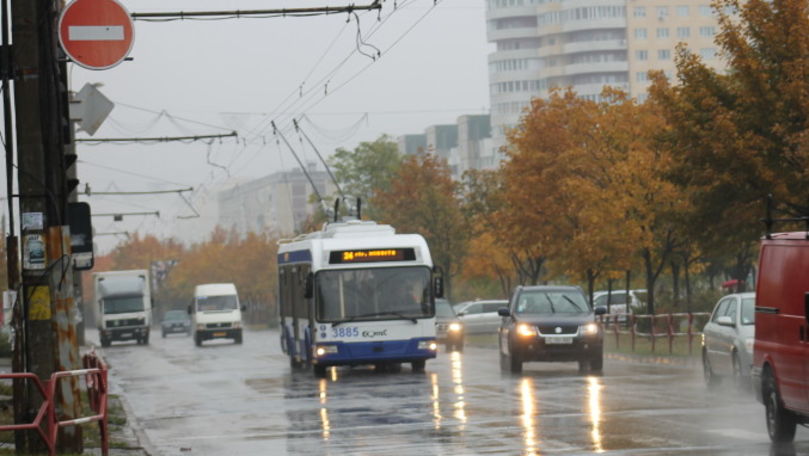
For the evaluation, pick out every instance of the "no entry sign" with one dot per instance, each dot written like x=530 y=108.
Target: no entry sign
x=96 y=34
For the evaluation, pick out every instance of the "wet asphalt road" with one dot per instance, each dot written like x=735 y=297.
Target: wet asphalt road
x=226 y=399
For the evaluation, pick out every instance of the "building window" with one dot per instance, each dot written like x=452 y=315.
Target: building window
x=642 y=55
x=705 y=10
x=707 y=53
x=682 y=10
x=707 y=31
x=683 y=32
x=662 y=12
x=640 y=33
x=662 y=32
x=640 y=11
x=641 y=76
x=664 y=54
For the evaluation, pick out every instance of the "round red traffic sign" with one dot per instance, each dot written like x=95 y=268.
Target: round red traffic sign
x=96 y=34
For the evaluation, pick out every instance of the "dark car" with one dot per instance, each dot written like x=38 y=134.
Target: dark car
x=550 y=323
x=448 y=328
x=176 y=321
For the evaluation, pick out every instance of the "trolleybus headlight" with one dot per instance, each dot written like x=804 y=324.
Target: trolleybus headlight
x=589 y=329
x=526 y=330
x=323 y=350
x=455 y=327
x=428 y=345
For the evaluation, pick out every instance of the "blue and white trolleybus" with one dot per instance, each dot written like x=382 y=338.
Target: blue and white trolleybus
x=354 y=293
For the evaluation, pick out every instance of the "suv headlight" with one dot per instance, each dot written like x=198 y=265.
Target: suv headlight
x=590 y=329
x=526 y=330
x=454 y=327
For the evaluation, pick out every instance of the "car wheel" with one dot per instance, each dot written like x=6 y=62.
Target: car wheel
x=448 y=347
x=105 y=342
x=781 y=423
x=418 y=366
x=145 y=340
x=711 y=379
x=319 y=370
x=584 y=366
x=197 y=340
x=238 y=339
x=597 y=363
x=514 y=363
x=163 y=333
x=459 y=347
x=738 y=378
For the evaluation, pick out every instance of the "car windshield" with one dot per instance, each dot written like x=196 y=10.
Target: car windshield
x=373 y=294
x=552 y=302
x=749 y=311
x=173 y=315
x=443 y=309
x=123 y=304
x=214 y=303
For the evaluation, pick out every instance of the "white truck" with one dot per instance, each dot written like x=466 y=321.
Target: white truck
x=123 y=303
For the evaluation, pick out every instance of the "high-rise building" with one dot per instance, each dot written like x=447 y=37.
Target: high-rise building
x=586 y=45
x=279 y=203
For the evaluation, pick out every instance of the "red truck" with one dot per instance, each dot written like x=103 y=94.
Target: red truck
x=781 y=351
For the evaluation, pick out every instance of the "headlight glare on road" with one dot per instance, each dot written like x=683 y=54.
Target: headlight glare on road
x=589 y=329
x=748 y=344
x=526 y=330
x=322 y=350
x=428 y=345
x=454 y=327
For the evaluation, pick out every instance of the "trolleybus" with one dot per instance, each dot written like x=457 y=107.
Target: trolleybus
x=357 y=293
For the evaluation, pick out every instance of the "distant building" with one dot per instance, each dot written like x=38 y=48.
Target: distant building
x=278 y=203
x=464 y=145
x=412 y=144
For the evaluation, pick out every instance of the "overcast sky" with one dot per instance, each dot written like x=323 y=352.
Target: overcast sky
x=239 y=74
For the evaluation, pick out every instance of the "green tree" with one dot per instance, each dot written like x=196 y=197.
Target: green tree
x=367 y=170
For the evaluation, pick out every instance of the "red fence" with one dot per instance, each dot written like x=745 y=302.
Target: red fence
x=95 y=375
x=654 y=327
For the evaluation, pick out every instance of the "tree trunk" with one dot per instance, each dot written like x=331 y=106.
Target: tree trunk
x=675 y=282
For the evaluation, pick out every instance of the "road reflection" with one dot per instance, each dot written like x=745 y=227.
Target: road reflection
x=528 y=416
x=325 y=424
x=594 y=387
x=436 y=400
x=456 y=367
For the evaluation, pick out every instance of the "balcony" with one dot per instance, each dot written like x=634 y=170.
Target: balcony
x=588 y=46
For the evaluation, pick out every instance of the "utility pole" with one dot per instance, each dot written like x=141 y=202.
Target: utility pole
x=48 y=329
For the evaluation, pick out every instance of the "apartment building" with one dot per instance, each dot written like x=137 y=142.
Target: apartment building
x=586 y=45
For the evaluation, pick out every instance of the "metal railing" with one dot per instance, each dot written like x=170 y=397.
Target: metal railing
x=654 y=327
x=95 y=374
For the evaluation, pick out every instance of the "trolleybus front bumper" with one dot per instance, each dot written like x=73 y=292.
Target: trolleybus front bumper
x=354 y=353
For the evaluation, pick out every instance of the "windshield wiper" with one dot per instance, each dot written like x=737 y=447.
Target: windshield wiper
x=553 y=310
x=375 y=314
x=574 y=304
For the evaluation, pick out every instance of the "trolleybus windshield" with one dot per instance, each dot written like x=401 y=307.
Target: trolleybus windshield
x=373 y=294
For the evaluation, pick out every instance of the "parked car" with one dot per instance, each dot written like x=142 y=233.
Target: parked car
x=480 y=317
x=550 y=323
x=176 y=321
x=727 y=340
x=448 y=328
x=618 y=302
x=780 y=374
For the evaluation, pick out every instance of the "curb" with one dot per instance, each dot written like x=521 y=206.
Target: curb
x=131 y=423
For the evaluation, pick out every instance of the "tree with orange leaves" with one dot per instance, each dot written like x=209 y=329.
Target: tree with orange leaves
x=422 y=198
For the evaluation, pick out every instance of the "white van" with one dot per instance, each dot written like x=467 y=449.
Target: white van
x=216 y=313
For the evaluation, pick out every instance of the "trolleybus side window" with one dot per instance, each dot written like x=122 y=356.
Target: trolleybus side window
x=302 y=306
x=373 y=293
